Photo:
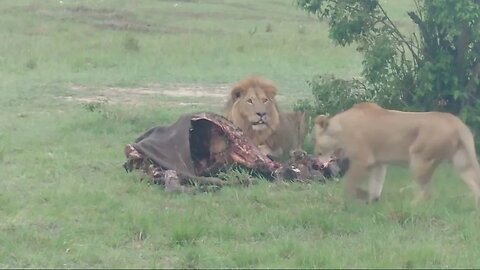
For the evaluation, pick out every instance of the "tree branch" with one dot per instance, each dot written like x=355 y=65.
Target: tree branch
x=475 y=77
x=423 y=29
x=461 y=48
x=402 y=38
x=396 y=33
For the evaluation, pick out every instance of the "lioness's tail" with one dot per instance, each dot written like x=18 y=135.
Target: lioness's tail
x=468 y=142
x=465 y=160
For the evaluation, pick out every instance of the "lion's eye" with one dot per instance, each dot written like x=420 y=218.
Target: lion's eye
x=250 y=101
x=265 y=100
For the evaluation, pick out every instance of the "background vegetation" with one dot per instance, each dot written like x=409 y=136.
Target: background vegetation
x=79 y=80
x=434 y=66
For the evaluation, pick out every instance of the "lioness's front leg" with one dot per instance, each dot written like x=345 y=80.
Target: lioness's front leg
x=353 y=179
x=376 y=181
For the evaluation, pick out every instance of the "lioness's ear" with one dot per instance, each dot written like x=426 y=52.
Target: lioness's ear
x=322 y=121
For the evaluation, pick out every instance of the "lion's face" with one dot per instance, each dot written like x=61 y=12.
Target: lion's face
x=252 y=105
x=257 y=108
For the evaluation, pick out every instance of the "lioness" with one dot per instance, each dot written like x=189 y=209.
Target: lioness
x=252 y=107
x=373 y=137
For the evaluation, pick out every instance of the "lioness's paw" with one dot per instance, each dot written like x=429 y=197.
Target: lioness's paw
x=362 y=194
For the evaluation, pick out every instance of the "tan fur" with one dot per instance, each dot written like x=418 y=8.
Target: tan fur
x=373 y=137
x=290 y=134
x=253 y=108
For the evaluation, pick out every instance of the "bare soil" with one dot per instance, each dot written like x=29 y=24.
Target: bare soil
x=175 y=94
x=165 y=94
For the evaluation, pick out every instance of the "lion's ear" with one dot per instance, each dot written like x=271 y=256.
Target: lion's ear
x=322 y=121
x=270 y=90
x=237 y=92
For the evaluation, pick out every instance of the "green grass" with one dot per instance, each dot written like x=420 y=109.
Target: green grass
x=65 y=200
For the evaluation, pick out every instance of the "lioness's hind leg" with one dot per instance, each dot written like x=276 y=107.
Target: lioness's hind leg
x=376 y=181
x=423 y=170
x=469 y=171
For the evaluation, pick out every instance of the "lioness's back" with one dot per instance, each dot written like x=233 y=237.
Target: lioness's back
x=385 y=118
x=392 y=134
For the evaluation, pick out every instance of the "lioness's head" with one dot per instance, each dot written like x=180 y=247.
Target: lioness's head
x=326 y=136
x=252 y=105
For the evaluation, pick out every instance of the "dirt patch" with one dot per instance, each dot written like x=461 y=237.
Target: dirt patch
x=38 y=30
x=178 y=94
x=164 y=94
x=112 y=19
x=98 y=17
x=215 y=15
x=123 y=20
x=107 y=18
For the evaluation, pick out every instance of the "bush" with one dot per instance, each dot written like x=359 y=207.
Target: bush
x=333 y=95
x=435 y=69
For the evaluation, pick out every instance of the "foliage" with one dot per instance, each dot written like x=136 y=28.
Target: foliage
x=331 y=94
x=436 y=68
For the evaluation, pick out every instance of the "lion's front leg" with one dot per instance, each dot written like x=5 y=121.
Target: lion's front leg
x=265 y=149
x=270 y=152
x=276 y=154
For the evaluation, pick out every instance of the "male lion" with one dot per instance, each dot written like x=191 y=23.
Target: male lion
x=291 y=133
x=373 y=137
x=252 y=107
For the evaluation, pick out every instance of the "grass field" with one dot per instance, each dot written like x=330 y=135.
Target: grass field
x=65 y=200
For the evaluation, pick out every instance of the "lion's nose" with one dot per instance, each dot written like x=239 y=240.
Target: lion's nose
x=261 y=114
